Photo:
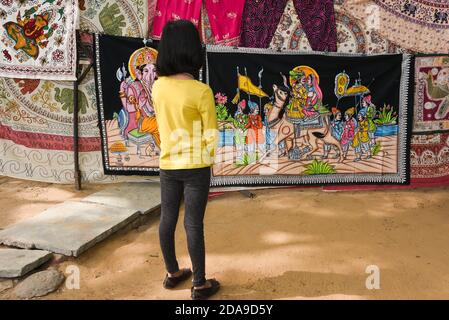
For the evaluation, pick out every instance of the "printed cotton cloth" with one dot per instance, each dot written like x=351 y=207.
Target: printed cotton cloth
x=431 y=94
x=261 y=18
x=310 y=119
x=353 y=34
x=38 y=39
x=36 y=116
x=421 y=25
x=151 y=13
x=224 y=17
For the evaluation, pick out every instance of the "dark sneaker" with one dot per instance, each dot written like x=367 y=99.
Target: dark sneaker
x=171 y=282
x=203 y=294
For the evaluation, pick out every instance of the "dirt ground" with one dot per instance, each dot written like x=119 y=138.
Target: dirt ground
x=283 y=244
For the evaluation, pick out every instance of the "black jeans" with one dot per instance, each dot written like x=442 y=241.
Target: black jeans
x=193 y=184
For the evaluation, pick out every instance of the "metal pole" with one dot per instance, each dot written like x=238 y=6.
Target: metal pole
x=77 y=172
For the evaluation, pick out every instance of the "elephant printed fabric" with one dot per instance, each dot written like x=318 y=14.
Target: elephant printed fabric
x=38 y=39
x=431 y=94
x=36 y=129
x=290 y=118
x=116 y=17
x=417 y=25
x=130 y=136
x=36 y=116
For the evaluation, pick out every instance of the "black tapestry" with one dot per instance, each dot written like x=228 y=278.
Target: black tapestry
x=125 y=74
x=289 y=118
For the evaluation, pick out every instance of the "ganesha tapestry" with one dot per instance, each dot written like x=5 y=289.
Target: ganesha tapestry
x=38 y=39
x=289 y=118
x=125 y=74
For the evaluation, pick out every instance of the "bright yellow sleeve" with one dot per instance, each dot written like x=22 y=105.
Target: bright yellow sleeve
x=209 y=124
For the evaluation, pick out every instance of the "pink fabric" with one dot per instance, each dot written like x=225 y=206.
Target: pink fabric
x=225 y=18
x=151 y=14
x=169 y=10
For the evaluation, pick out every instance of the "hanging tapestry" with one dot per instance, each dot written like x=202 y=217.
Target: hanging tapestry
x=225 y=18
x=353 y=35
x=130 y=136
x=38 y=39
x=209 y=35
x=115 y=17
x=169 y=10
x=151 y=14
x=289 y=118
x=36 y=129
x=206 y=34
x=431 y=94
x=222 y=18
x=36 y=115
x=261 y=18
x=430 y=159
x=419 y=25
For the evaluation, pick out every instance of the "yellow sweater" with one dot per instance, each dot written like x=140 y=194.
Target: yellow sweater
x=187 y=121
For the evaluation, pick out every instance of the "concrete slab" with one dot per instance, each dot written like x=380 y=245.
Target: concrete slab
x=142 y=196
x=17 y=262
x=69 y=228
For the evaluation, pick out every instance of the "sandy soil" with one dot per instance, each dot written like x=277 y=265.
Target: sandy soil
x=283 y=244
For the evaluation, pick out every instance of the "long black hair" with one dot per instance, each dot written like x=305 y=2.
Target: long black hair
x=180 y=50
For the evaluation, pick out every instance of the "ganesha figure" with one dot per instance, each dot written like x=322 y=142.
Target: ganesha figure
x=135 y=94
x=30 y=33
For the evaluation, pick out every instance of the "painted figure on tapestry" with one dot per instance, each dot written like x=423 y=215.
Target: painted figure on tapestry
x=299 y=94
x=370 y=111
x=254 y=137
x=314 y=96
x=306 y=93
x=336 y=131
x=361 y=140
x=31 y=31
x=136 y=119
x=38 y=39
x=240 y=123
x=348 y=133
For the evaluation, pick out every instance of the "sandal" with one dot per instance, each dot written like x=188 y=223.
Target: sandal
x=203 y=294
x=171 y=282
